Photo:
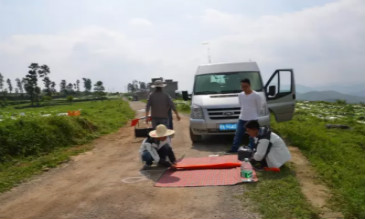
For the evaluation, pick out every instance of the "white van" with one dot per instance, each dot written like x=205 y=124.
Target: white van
x=214 y=101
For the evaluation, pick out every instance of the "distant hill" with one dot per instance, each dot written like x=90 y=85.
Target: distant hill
x=303 y=89
x=329 y=96
x=350 y=89
x=359 y=93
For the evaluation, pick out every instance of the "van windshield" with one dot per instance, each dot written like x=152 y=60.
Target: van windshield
x=219 y=83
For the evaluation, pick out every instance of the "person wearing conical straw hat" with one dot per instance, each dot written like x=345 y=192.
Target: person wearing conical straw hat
x=158 y=141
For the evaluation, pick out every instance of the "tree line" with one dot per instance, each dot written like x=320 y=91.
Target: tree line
x=136 y=86
x=29 y=85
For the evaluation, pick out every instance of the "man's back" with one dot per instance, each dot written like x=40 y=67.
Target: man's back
x=160 y=104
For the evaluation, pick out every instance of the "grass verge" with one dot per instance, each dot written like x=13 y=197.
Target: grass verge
x=337 y=155
x=278 y=195
x=183 y=106
x=31 y=143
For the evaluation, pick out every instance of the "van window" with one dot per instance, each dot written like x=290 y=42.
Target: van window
x=219 y=83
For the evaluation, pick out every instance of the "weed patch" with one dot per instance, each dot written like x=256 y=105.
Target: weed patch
x=337 y=155
x=278 y=195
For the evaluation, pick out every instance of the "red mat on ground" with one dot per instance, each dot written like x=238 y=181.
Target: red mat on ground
x=203 y=177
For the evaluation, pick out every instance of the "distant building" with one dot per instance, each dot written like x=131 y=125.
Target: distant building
x=171 y=86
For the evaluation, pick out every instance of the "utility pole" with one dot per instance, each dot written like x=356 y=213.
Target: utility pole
x=208 y=51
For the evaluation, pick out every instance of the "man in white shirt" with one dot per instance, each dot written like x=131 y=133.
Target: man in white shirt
x=251 y=104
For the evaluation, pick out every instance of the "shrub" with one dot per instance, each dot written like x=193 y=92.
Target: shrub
x=46 y=98
x=183 y=106
x=70 y=98
x=34 y=135
x=341 y=102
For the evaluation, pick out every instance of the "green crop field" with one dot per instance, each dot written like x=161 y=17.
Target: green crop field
x=337 y=154
x=34 y=139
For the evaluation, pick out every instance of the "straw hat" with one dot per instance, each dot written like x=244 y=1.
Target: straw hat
x=161 y=131
x=158 y=83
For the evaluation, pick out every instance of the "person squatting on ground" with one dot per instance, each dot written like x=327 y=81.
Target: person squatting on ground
x=269 y=150
x=251 y=104
x=157 y=147
x=160 y=103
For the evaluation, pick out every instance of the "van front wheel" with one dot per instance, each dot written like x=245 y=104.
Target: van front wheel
x=195 y=138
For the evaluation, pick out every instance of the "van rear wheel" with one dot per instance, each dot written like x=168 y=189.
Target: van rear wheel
x=194 y=138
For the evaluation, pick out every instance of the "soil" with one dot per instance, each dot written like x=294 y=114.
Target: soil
x=108 y=182
x=317 y=193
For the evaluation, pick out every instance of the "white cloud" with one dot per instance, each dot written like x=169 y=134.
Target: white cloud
x=323 y=44
x=140 y=22
x=319 y=43
x=93 y=52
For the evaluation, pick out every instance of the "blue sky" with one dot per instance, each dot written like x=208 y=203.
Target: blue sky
x=118 y=41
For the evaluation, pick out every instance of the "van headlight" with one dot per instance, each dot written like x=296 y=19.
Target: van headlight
x=264 y=110
x=196 y=112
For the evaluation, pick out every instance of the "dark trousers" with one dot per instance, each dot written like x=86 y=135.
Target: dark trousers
x=166 y=151
x=240 y=132
x=146 y=156
x=171 y=125
x=158 y=121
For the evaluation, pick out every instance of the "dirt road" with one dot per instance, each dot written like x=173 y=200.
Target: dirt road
x=107 y=182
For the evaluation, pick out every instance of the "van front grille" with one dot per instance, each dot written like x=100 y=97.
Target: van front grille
x=224 y=113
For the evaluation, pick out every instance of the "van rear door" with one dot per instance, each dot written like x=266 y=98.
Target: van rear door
x=280 y=93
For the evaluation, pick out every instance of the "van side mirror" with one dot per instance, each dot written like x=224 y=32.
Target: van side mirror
x=272 y=90
x=185 y=95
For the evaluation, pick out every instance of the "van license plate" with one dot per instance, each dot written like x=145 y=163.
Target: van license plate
x=227 y=127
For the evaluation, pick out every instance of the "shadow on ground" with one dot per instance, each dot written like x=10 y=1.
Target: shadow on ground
x=217 y=143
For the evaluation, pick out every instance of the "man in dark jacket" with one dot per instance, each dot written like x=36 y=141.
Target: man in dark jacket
x=160 y=103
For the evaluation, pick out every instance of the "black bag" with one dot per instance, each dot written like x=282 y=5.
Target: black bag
x=244 y=152
x=141 y=132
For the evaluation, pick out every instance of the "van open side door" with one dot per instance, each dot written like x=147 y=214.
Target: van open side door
x=280 y=94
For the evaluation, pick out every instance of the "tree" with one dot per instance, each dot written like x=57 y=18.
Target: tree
x=19 y=84
x=135 y=85
x=69 y=88
x=10 y=86
x=31 y=80
x=142 y=85
x=99 y=89
x=53 y=87
x=63 y=87
x=87 y=84
x=1 y=81
x=44 y=71
x=47 y=85
x=131 y=88
x=78 y=85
